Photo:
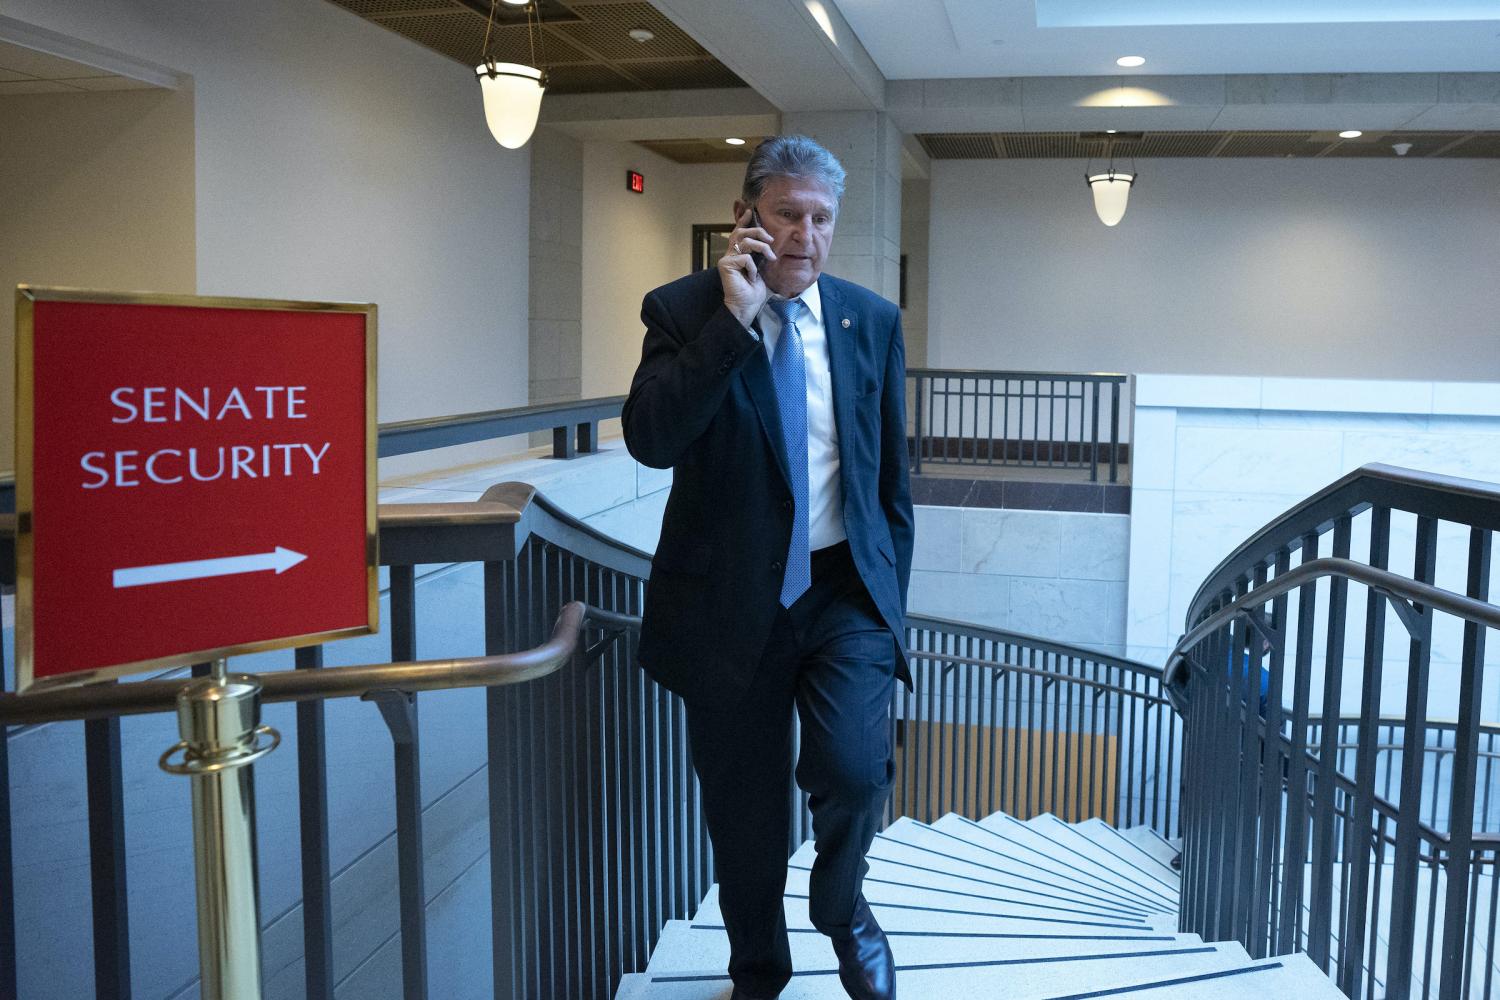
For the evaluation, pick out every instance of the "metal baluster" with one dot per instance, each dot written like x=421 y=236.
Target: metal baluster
x=1114 y=432
x=111 y=910
x=1320 y=931
x=1005 y=422
x=312 y=799
x=9 y=988
x=399 y=710
x=1094 y=434
x=1431 y=860
x=1293 y=872
x=1418 y=620
x=1357 y=846
x=1268 y=720
x=921 y=383
x=1453 y=970
x=1372 y=915
x=505 y=946
x=1489 y=967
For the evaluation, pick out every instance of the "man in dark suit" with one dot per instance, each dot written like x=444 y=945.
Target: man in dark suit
x=776 y=394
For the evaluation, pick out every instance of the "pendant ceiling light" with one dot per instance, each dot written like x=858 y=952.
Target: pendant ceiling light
x=1111 y=189
x=512 y=91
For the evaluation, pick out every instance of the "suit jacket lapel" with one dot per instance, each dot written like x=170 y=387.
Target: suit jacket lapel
x=841 y=327
x=756 y=374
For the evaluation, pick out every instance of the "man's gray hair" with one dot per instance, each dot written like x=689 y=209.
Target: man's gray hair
x=792 y=156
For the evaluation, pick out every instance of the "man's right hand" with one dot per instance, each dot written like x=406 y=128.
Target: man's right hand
x=745 y=288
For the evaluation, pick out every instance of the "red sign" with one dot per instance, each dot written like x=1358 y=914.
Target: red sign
x=636 y=182
x=194 y=478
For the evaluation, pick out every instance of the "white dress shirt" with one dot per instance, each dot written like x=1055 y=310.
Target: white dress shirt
x=826 y=495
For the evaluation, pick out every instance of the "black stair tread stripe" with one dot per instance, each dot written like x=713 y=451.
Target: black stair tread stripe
x=1164 y=983
x=1065 y=826
x=1110 y=891
x=1096 y=909
x=1145 y=893
x=968 y=895
x=938 y=966
x=1138 y=848
x=997 y=916
x=988 y=935
x=883 y=838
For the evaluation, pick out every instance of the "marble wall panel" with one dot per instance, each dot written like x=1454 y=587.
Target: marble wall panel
x=939 y=533
x=1014 y=542
x=1067 y=610
x=1095 y=546
x=1252 y=460
x=966 y=597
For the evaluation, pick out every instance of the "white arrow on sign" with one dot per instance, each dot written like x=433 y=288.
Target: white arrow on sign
x=139 y=576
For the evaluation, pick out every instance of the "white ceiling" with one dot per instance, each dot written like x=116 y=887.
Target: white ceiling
x=946 y=39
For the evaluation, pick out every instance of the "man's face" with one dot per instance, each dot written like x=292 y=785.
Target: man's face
x=799 y=215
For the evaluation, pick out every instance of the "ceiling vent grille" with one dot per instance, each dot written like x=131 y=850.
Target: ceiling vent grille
x=605 y=30
x=1047 y=145
x=1157 y=144
x=585 y=46
x=1282 y=144
x=681 y=75
x=1485 y=144
x=959 y=146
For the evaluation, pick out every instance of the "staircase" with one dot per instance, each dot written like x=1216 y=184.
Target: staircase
x=1040 y=910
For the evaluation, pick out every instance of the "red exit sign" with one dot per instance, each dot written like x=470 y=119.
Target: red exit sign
x=636 y=182
x=195 y=477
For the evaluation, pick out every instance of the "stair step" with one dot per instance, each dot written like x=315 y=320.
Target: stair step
x=1152 y=843
x=1014 y=979
x=1083 y=839
x=1101 y=891
x=906 y=916
x=686 y=946
x=1025 y=844
x=883 y=892
x=1288 y=976
x=1158 y=863
x=920 y=850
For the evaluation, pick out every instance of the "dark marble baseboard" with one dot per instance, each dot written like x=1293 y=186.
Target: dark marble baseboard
x=1087 y=498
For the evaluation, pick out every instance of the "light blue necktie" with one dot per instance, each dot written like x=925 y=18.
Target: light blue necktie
x=789 y=374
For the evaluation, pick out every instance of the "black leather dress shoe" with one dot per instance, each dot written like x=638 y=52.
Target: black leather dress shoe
x=866 y=967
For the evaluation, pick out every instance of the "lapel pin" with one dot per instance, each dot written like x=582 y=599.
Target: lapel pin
x=846 y=324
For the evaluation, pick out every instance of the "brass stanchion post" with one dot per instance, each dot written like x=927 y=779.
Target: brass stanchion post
x=219 y=719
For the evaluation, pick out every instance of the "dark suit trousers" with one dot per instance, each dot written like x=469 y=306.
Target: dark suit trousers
x=831 y=657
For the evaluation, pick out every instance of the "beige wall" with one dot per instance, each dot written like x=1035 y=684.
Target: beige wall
x=635 y=242
x=98 y=193
x=334 y=159
x=1330 y=267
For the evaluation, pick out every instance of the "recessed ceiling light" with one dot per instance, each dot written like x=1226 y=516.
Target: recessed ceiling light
x=735 y=142
x=518 y=3
x=641 y=34
x=1131 y=62
x=1352 y=133
x=1110 y=131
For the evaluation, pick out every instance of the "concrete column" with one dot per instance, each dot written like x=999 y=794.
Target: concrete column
x=555 y=355
x=916 y=212
x=867 y=241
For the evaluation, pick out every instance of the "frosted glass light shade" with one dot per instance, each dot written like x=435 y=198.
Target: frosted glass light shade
x=1111 y=192
x=512 y=101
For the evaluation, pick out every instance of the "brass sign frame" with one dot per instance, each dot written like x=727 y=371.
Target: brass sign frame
x=26 y=298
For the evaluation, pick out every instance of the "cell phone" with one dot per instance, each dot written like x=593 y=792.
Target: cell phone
x=759 y=258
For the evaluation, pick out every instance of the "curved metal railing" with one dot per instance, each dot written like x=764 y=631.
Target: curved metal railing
x=1334 y=839
x=1000 y=720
